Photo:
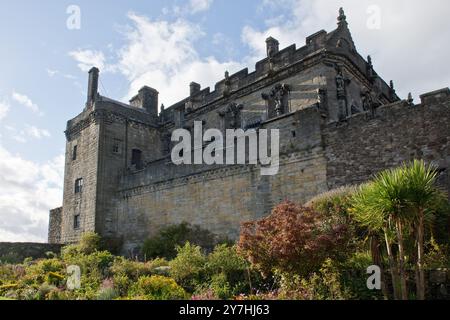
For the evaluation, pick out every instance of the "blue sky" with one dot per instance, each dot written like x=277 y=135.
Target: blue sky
x=166 y=45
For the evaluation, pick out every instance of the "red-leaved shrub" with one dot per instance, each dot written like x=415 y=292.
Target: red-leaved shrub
x=292 y=239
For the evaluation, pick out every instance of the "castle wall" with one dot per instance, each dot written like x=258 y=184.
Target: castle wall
x=221 y=198
x=362 y=146
x=54 y=226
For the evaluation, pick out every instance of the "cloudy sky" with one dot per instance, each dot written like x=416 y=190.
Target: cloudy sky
x=166 y=45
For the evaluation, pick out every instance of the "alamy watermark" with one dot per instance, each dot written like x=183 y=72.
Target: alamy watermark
x=374 y=19
x=230 y=150
x=73 y=22
x=374 y=281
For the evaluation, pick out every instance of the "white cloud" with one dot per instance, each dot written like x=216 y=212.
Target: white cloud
x=162 y=55
x=199 y=5
x=29 y=131
x=190 y=8
x=89 y=58
x=52 y=73
x=27 y=191
x=4 y=109
x=25 y=101
x=37 y=133
x=410 y=47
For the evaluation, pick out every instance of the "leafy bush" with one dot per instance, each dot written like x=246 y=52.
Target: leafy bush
x=354 y=276
x=292 y=239
x=228 y=270
x=188 y=266
x=157 y=288
x=164 y=244
x=131 y=269
x=437 y=257
x=333 y=203
x=44 y=271
x=89 y=243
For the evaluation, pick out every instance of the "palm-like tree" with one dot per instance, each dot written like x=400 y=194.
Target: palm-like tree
x=421 y=194
x=400 y=199
x=366 y=211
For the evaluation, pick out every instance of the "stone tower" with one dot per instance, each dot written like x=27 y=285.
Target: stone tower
x=105 y=140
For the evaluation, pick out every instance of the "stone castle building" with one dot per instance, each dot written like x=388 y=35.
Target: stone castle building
x=339 y=124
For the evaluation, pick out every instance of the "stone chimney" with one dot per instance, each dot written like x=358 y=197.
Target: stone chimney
x=93 y=85
x=273 y=46
x=194 y=88
x=147 y=99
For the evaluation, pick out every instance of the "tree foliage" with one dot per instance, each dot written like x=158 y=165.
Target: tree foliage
x=292 y=239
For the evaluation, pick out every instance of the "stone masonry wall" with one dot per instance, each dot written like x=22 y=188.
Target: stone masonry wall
x=363 y=146
x=221 y=198
x=17 y=252
x=54 y=226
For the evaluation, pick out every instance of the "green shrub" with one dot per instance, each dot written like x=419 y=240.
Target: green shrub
x=89 y=243
x=39 y=272
x=157 y=288
x=333 y=203
x=106 y=294
x=322 y=285
x=131 y=269
x=122 y=283
x=188 y=268
x=225 y=264
x=221 y=286
x=437 y=256
x=164 y=244
x=354 y=276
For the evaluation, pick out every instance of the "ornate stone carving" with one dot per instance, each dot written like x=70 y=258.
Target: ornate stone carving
x=322 y=102
x=342 y=19
x=341 y=86
x=410 y=99
x=232 y=116
x=370 y=102
x=227 y=89
x=278 y=100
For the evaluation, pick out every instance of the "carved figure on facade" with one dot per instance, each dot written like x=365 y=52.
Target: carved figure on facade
x=278 y=99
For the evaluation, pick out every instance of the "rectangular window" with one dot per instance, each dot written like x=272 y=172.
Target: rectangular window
x=78 y=185
x=76 y=221
x=74 y=153
x=117 y=147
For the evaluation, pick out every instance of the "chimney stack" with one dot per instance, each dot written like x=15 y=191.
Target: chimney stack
x=93 y=85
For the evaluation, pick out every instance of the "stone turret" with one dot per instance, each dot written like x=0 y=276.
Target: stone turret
x=147 y=99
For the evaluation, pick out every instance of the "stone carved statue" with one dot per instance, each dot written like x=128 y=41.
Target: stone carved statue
x=227 y=89
x=369 y=102
x=340 y=84
x=322 y=102
x=277 y=96
x=233 y=115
